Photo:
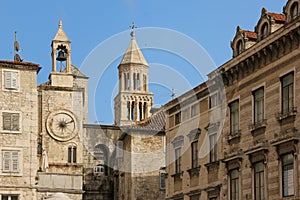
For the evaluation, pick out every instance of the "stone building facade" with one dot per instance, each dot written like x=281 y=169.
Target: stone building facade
x=139 y=154
x=49 y=150
x=250 y=152
x=62 y=113
x=18 y=130
x=140 y=166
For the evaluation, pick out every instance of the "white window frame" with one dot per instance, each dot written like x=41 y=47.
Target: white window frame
x=98 y=171
x=20 y=121
x=10 y=86
x=19 y=172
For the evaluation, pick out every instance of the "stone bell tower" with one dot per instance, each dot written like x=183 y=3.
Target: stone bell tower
x=62 y=113
x=61 y=55
x=134 y=101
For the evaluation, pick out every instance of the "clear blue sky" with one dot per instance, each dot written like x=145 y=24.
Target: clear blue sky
x=211 y=24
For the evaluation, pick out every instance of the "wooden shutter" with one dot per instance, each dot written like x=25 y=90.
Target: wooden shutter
x=15 y=161
x=11 y=121
x=7 y=80
x=15 y=122
x=6 y=121
x=11 y=80
x=14 y=80
x=5 y=161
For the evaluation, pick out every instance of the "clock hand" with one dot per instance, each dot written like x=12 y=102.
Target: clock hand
x=70 y=121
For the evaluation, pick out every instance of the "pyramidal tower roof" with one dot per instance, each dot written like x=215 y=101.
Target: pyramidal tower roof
x=133 y=53
x=61 y=35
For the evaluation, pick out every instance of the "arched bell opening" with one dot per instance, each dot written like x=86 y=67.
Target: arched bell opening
x=61 y=57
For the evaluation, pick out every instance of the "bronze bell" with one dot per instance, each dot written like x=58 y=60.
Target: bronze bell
x=61 y=56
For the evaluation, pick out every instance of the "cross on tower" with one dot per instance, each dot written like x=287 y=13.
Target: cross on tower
x=132 y=29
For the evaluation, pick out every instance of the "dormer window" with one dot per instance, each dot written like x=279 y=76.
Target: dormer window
x=294 y=10
x=239 y=47
x=264 y=30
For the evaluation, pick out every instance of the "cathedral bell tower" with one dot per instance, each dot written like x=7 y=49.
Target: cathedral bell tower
x=61 y=55
x=134 y=101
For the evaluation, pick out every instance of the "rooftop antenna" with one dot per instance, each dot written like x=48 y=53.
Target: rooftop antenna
x=17 y=57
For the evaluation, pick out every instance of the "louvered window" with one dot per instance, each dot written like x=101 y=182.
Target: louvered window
x=11 y=80
x=11 y=121
x=10 y=161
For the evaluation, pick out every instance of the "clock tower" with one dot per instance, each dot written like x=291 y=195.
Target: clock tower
x=63 y=111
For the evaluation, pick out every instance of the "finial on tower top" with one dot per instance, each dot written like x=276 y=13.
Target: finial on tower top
x=132 y=29
x=60 y=24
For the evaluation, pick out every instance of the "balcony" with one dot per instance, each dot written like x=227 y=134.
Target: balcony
x=289 y=114
x=258 y=127
x=234 y=137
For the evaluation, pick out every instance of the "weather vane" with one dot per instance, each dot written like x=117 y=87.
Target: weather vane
x=132 y=29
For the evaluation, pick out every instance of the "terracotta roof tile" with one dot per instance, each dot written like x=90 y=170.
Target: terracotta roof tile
x=18 y=63
x=277 y=16
x=156 y=122
x=251 y=34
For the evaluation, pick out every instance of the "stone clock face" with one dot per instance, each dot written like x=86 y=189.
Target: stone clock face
x=61 y=125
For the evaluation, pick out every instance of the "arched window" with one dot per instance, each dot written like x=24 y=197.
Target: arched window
x=264 y=30
x=140 y=113
x=101 y=155
x=145 y=114
x=72 y=154
x=99 y=170
x=294 y=10
x=128 y=110
x=239 y=47
x=145 y=82
x=138 y=82
x=134 y=81
x=132 y=111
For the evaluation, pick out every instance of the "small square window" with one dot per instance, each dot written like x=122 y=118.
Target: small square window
x=177 y=118
x=10 y=161
x=195 y=110
x=11 y=80
x=214 y=100
x=11 y=121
